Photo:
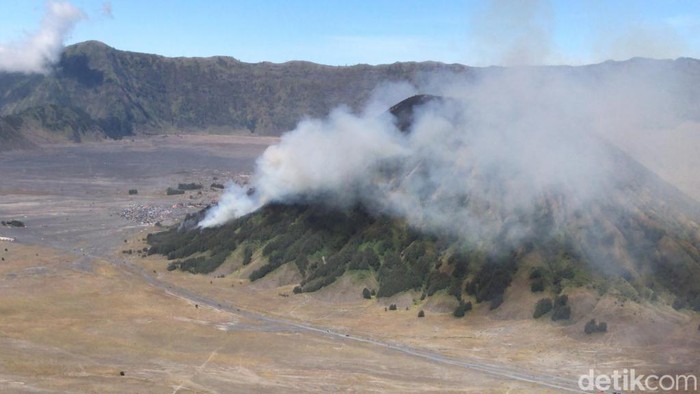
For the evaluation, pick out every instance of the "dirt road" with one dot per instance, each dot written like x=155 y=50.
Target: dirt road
x=65 y=283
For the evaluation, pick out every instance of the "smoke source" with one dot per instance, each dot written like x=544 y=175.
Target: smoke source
x=38 y=50
x=490 y=152
x=321 y=157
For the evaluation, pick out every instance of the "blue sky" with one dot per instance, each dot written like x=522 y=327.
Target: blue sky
x=382 y=31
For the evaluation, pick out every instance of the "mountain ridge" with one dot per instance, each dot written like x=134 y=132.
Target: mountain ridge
x=127 y=93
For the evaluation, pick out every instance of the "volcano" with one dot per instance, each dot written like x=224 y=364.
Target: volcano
x=636 y=235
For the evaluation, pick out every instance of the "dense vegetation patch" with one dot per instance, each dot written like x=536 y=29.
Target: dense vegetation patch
x=593 y=327
x=172 y=191
x=324 y=243
x=542 y=307
x=561 y=310
x=189 y=186
x=13 y=223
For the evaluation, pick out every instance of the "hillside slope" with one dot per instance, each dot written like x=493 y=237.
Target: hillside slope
x=127 y=92
x=639 y=238
x=11 y=137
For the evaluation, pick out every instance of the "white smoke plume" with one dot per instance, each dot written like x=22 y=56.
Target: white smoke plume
x=320 y=156
x=486 y=154
x=35 y=52
x=501 y=142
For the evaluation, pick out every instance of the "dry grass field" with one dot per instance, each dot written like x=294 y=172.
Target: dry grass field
x=76 y=312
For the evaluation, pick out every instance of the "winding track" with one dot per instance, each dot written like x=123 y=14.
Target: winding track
x=498 y=371
x=56 y=172
x=85 y=258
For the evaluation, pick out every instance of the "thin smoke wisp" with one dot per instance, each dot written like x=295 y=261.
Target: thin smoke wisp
x=35 y=52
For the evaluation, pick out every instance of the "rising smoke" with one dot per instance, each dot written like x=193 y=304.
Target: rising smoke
x=35 y=52
x=500 y=143
x=489 y=152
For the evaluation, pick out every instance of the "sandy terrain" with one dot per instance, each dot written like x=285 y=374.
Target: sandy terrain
x=75 y=311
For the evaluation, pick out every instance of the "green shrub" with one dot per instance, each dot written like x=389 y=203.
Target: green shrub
x=189 y=186
x=364 y=260
x=191 y=264
x=493 y=278
x=542 y=307
x=471 y=288
x=274 y=262
x=695 y=303
x=301 y=262
x=561 y=313
x=455 y=288
x=171 y=192
x=679 y=303
x=279 y=244
x=460 y=263
x=413 y=252
x=13 y=223
x=462 y=309
x=437 y=281
x=496 y=302
x=590 y=327
x=203 y=265
x=247 y=255
x=394 y=277
x=318 y=283
x=537 y=273
x=593 y=327
x=561 y=310
x=561 y=300
x=537 y=285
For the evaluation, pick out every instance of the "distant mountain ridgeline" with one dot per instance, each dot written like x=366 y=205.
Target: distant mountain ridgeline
x=117 y=93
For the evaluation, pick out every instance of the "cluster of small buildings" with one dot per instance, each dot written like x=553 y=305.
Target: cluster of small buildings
x=148 y=214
